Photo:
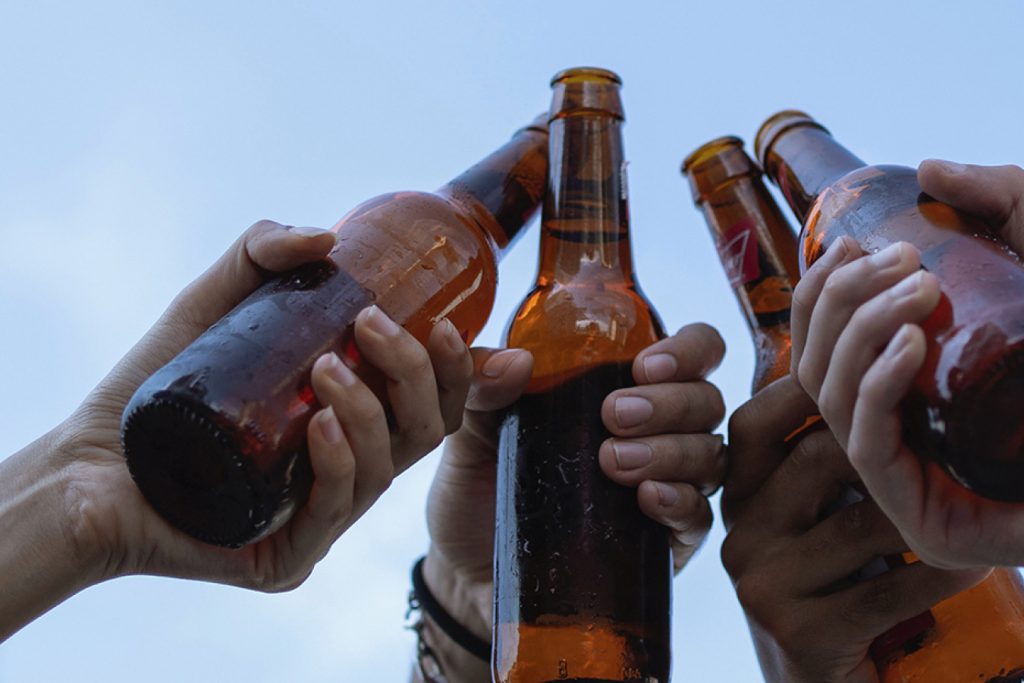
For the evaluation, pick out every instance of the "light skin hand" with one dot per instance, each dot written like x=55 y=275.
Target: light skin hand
x=790 y=552
x=70 y=492
x=857 y=346
x=685 y=464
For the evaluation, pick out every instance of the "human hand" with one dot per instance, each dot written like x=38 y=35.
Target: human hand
x=685 y=463
x=353 y=455
x=857 y=346
x=791 y=549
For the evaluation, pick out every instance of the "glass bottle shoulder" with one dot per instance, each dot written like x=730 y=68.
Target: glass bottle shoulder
x=592 y=321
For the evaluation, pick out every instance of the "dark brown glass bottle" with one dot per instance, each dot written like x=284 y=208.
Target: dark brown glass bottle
x=216 y=439
x=963 y=409
x=978 y=634
x=582 y=577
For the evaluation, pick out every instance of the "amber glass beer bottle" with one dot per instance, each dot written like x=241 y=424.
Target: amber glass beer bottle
x=976 y=635
x=582 y=577
x=963 y=409
x=755 y=243
x=215 y=439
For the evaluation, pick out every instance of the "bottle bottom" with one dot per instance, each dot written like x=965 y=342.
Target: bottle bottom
x=584 y=653
x=189 y=471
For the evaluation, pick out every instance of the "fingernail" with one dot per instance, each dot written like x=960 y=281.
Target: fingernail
x=887 y=257
x=631 y=455
x=951 y=167
x=329 y=426
x=660 y=367
x=631 y=411
x=452 y=337
x=306 y=232
x=380 y=323
x=496 y=365
x=340 y=372
x=908 y=285
x=667 y=496
x=899 y=342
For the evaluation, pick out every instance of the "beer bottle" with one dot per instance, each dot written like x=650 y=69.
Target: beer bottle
x=962 y=410
x=978 y=634
x=216 y=439
x=755 y=243
x=582 y=577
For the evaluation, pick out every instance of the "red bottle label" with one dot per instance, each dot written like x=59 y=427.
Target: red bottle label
x=737 y=249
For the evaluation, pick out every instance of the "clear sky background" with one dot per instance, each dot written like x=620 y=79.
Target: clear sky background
x=137 y=140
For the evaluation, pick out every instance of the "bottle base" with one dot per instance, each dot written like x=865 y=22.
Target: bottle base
x=188 y=470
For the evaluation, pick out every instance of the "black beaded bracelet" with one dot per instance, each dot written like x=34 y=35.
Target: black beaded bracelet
x=425 y=601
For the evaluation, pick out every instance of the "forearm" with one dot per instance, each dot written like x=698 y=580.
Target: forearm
x=39 y=560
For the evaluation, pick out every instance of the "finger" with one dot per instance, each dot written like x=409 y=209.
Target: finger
x=811 y=477
x=453 y=372
x=411 y=387
x=682 y=509
x=758 y=430
x=696 y=459
x=870 y=608
x=891 y=473
x=266 y=247
x=995 y=193
x=362 y=420
x=805 y=295
x=500 y=377
x=841 y=544
x=329 y=509
x=845 y=291
x=870 y=329
x=691 y=353
x=663 y=409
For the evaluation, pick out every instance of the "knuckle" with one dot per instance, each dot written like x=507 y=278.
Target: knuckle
x=365 y=408
x=827 y=403
x=803 y=298
x=807 y=373
x=733 y=556
x=813 y=452
x=745 y=421
x=855 y=522
x=879 y=597
x=1016 y=174
x=715 y=402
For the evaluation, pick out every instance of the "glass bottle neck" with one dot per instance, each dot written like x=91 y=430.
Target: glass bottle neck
x=585 y=221
x=803 y=159
x=502 y=192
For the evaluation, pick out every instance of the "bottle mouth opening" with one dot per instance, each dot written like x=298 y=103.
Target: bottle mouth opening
x=777 y=124
x=586 y=74
x=709 y=150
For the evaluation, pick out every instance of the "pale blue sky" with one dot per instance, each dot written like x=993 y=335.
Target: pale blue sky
x=137 y=141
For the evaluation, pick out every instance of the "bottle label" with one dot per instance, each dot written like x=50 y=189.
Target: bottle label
x=737 y=249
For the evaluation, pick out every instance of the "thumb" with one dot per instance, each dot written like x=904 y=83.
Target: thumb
x=265 y=248
x=499 y=378
x=995 y=193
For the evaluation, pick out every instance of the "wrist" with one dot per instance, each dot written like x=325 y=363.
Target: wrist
x=44 y=553
x=462 y=601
